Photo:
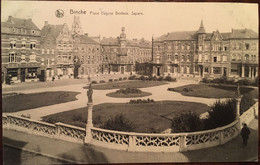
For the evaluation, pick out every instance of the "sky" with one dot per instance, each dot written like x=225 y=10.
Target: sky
x=156 y=19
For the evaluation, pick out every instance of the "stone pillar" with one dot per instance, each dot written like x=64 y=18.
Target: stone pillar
x=222 y=71
x=89 y=123
x=256 y=71
x=243 y=71
x=19 y=74
x=238 y=100
x=249 y=70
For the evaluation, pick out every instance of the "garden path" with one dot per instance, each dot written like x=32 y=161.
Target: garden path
x=159 y=93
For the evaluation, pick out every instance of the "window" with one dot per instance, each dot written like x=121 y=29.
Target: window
x=52 y=59
x=225 y=48
x=12 y=57
x=182 y=58
x=48 y=51
x=168 y=57
x=158 y=59
x=234 y=68
x=42 y=51
x=32 y=58
x=238 y=57
x=23 y=44
x=12 y=44
x=215 y=59
x=216 y=70
x=206 y=58
x=23 y=58
x=200 y=47
x=32 y=46
x=169 y=47
x=52 y=51
x=224 y=58
x=207 y=69
x=13 y=29
x=188 y=47
x=188 y=58
x=247 y=46
x=246 y=57
x=233 y=57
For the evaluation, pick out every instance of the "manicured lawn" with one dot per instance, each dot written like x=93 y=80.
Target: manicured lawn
x=211 y=91
x=127 y=84
x=129 y=95
x=18 y=102
x=153 y=117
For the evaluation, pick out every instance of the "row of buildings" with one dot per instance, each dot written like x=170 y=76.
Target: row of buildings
x=30 y=53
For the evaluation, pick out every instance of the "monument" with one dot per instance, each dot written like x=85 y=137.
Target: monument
x=89 y=109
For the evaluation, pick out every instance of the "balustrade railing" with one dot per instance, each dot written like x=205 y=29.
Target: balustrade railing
x=133 y=141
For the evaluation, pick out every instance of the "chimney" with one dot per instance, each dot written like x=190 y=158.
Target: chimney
x=86 y=34
x=45 y=23
x=10 y=19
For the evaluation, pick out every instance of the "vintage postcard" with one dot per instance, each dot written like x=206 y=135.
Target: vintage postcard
x=129 y=82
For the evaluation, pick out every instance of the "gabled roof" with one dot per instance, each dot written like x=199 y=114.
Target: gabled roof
x=84 y=39
x=243 y=33
x=20 y=23
x=109 y=41
x=184 y=35
x=54 y=30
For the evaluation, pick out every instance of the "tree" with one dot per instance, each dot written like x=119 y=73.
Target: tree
x=76 y=64
x=222 y=113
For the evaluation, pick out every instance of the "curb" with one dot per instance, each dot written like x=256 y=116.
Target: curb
x=43 y=154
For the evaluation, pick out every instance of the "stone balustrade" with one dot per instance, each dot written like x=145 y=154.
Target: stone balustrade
x=57 y=130
x=131 y=141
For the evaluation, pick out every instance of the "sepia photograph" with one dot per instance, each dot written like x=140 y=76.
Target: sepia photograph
x=129 y=82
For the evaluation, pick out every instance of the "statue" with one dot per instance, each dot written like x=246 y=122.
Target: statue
x=238 y=91
x=89 y=93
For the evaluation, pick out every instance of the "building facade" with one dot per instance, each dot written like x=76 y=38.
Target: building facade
x=120 y=55
x=201 y=54
x=20 y=50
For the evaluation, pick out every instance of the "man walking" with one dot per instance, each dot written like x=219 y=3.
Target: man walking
x=245 y=133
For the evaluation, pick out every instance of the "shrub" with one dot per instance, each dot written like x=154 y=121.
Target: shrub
x=110 y=80
x=132 y=77
x=102 y=81
x=187 y=89
x=222 y=113
x=246 y=82
x=160 y=78
x=186 y=122
x=142 y=78
x=119 y=123
x=205 y=80
x=115 y=79
x=94 y=82
x=140 y=101
x=128 y=91
x=246 y=102
x=168 y=78
x=120 y=79
x=124 y=78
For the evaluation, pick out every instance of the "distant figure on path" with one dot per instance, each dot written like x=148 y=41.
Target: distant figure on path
x=89 y=93
x=245 y=133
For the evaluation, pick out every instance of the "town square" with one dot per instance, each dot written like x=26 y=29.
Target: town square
x=82 y=87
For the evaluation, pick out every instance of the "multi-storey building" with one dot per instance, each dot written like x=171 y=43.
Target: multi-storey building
x=57 y=50
x=120 y=55
x=20 y=50
x=201 y=54
x=88 y=52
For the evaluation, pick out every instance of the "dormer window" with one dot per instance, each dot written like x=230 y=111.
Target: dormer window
x=33 y=31
x=13 y=29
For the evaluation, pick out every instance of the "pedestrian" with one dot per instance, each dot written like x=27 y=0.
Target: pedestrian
x=245 y=133
x=53 y=78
